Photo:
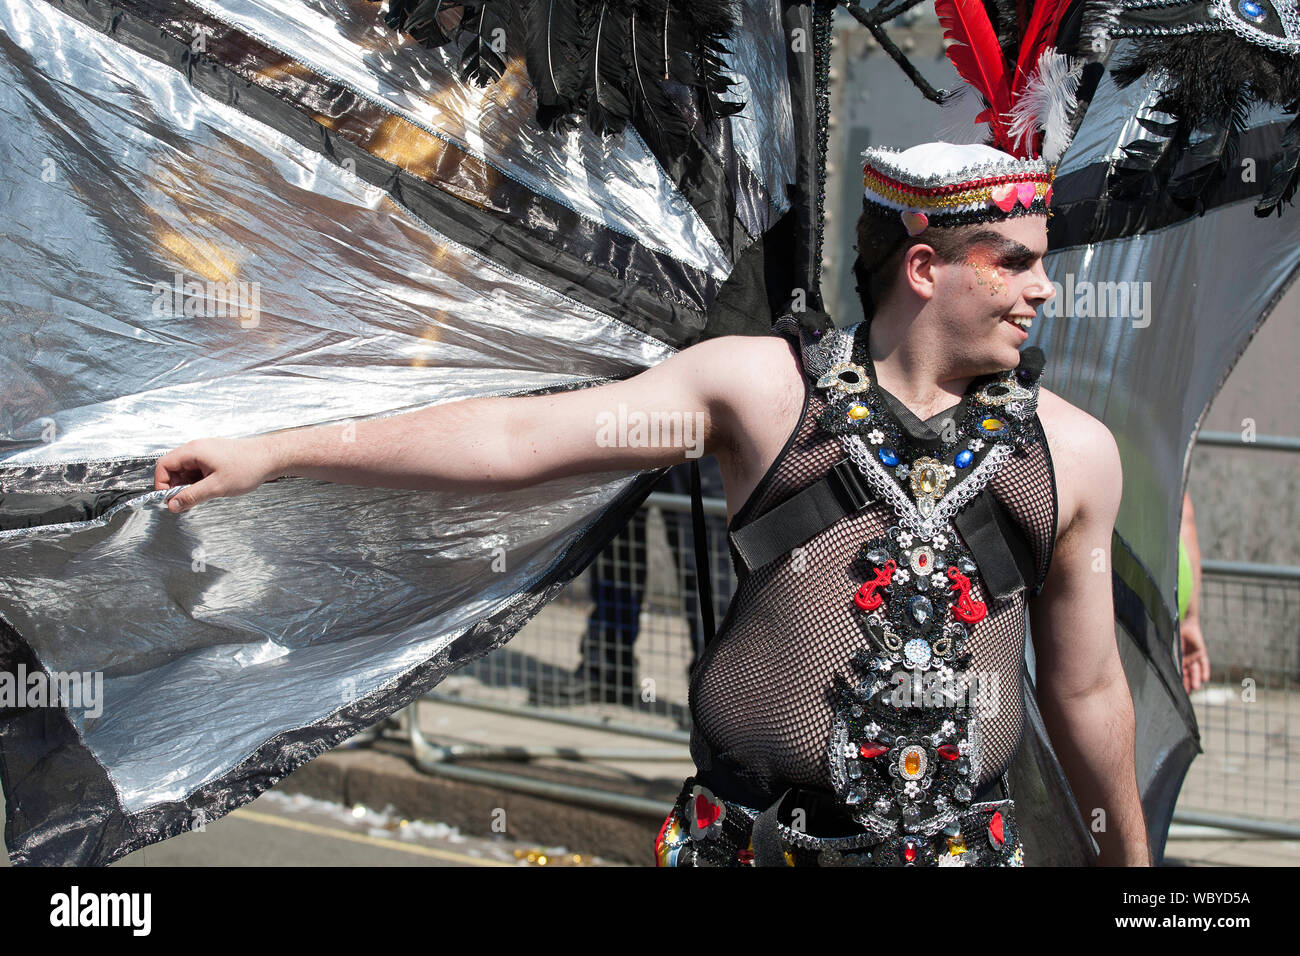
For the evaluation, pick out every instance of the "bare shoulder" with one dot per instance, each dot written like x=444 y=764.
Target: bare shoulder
x=1085 y=458
x=750 y=370
x=757 y=391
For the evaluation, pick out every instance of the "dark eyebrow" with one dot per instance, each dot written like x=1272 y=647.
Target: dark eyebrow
x=1007 y=249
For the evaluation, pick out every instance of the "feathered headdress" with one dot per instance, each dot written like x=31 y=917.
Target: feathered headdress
x=1027 y=85
x=1028 y=90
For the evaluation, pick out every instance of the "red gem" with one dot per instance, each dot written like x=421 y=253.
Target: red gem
x=706 y=813
x=872 y=749
x=995 y=829
x=921 y=559
x=909 y=853
x=745 y=856
x=949 y=752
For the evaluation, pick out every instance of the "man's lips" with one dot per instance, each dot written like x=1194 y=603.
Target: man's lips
x=1016 y=323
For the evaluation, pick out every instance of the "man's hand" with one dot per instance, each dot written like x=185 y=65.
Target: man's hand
x=213 y=468
x=1196 y=659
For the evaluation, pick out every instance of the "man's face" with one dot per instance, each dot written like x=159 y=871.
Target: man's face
x=988 y=301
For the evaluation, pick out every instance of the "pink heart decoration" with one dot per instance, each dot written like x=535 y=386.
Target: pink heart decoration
x=1025 y=192
x=914 y=222
x=1004 y=196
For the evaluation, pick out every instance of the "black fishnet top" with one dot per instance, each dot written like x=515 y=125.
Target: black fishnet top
x=760 y=695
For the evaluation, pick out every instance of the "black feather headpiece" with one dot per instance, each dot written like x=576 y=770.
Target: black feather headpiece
x=1217 y=59
x=657 y=64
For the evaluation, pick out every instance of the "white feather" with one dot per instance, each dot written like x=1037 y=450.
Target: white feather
x=959 y=115
x=1048 y=102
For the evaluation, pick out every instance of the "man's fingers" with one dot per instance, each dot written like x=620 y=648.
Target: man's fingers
x=176 y=467
x=195 y=494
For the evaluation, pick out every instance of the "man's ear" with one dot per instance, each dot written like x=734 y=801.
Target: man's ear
x=918 y=269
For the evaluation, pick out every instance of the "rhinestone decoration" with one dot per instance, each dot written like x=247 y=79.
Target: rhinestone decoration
x=912 y=763
x=917 y=650
x=846 y=378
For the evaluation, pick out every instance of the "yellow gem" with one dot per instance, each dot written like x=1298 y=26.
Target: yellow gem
x=789 y=858
x=929 y=481
x=859 y=411
x=912 y=763
x=956 y=846
x=991 y=424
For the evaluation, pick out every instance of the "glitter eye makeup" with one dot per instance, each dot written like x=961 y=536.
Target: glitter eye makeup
x=989 y=276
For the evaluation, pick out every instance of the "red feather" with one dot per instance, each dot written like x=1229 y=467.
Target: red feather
x=978 y=57
x=1038 y=36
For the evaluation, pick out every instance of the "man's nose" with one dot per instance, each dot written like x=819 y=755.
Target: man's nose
x=1043 y=286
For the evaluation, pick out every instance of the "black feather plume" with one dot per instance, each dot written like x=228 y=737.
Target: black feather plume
x=1285 y=174
x=485 y=29
x=557 y=37
x=431 y=22
x=711 y=23
x=658 y=115
x=609 y=106
x=657 y=63
x=1214 y=80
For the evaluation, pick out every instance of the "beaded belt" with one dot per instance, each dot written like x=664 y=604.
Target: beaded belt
x=705 y=830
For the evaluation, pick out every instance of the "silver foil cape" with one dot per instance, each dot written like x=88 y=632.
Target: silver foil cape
x=1206 y=284
x=242 y=639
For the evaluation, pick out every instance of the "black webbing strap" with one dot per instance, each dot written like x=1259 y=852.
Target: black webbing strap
x=1004 y=557
x=766 y=836
x=703 y=566
x=801 y=517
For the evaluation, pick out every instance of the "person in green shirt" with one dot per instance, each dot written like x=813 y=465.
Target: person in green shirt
x=1196 y=659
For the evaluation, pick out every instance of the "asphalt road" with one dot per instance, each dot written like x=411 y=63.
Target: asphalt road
x=292 y=830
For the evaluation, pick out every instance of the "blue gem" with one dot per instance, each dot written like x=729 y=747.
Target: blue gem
x=964 y=458
x=921 y=608
x=1252 y=11
x=888 y=456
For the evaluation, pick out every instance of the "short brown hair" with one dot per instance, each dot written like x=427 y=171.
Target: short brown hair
x=883 y=243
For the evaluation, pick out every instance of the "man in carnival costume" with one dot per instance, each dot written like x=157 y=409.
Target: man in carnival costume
x=897 y=491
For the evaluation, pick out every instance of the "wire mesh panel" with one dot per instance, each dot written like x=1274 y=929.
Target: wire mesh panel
x=1249 y=713
x=621 y=640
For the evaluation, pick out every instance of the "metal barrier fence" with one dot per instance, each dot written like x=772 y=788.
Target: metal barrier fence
x=618 y=643
x=614 y=650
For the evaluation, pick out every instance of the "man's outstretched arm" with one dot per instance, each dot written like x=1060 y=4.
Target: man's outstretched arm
x=1082 y=691
x=481 y=443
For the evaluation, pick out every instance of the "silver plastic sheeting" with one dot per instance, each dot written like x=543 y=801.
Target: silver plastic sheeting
x=101 y=359
x=1191 y=296
x=617 y=183
x=221 y=628
x=763 y=132
x=1205 y=286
